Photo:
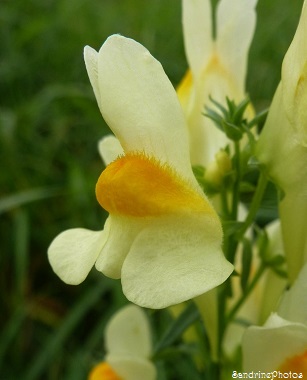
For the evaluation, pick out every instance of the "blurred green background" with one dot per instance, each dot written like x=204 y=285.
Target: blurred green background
x=49 y=128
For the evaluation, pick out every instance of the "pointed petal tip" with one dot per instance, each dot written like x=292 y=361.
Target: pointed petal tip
x=89 y=54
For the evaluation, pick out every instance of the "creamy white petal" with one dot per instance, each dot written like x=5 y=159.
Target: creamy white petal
x=140 y=104
x=222 y=72
x=206 y=139
x=73 y=253
x=109 y=149
x=293 y=211
x=294 y=80
x=285 y=162
x=128 y=333
x=175 y=259
x=236 y=22
x=266 y=348
x=293 y=305
x=273 y=230
x=197 y=33
x=91 y=63
x=131 y=368
x=121 y=233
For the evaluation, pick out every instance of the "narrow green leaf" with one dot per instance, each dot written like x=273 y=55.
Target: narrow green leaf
x=281 y=273
x=246 y=263
x=10 y=331
x=19 y=199
x=21 y=240
x=231 y=106
x=231 y=227
x=215 y=117
x=247 y=187
x=262 y=242
x=176 y=329
x=259 y=119
x=239 y=111
x=219 y=106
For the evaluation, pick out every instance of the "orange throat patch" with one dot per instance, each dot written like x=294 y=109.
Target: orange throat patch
x=103 y=371
x=297 y=363
x=137 y=185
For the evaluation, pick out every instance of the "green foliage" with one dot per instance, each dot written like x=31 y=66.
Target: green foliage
x=229 y=120
x=49 y=128
x=175 y=330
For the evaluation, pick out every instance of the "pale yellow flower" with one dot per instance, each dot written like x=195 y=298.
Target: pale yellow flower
x=217 y=67
x=282 y=148
x=162 y=237
x=128 y=346
x=281 y=344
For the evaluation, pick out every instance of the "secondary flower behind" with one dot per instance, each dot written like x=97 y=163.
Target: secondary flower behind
x=217 y=64
x=128 y=346
x=281 y=344
x=162 y=237
x=286 y=160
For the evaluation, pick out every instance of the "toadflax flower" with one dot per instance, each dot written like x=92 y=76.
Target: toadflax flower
x=128 y=346
x=217 y=67
x=281 y=344
x=282 y=148
x=162 y=237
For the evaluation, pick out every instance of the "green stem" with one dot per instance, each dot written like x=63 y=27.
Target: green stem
x=254 y=207
x=236 y=189
x=224 y=202
x=248 y=290
x=221 y=321
x=231 y=245
x=213 y=371
x=234 y=240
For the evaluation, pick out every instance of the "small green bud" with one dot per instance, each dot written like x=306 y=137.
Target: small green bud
x=218 y=169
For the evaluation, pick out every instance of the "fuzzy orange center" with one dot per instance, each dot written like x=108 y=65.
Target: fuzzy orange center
x=297 y=363
x=103 y=371
x=136 y=185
